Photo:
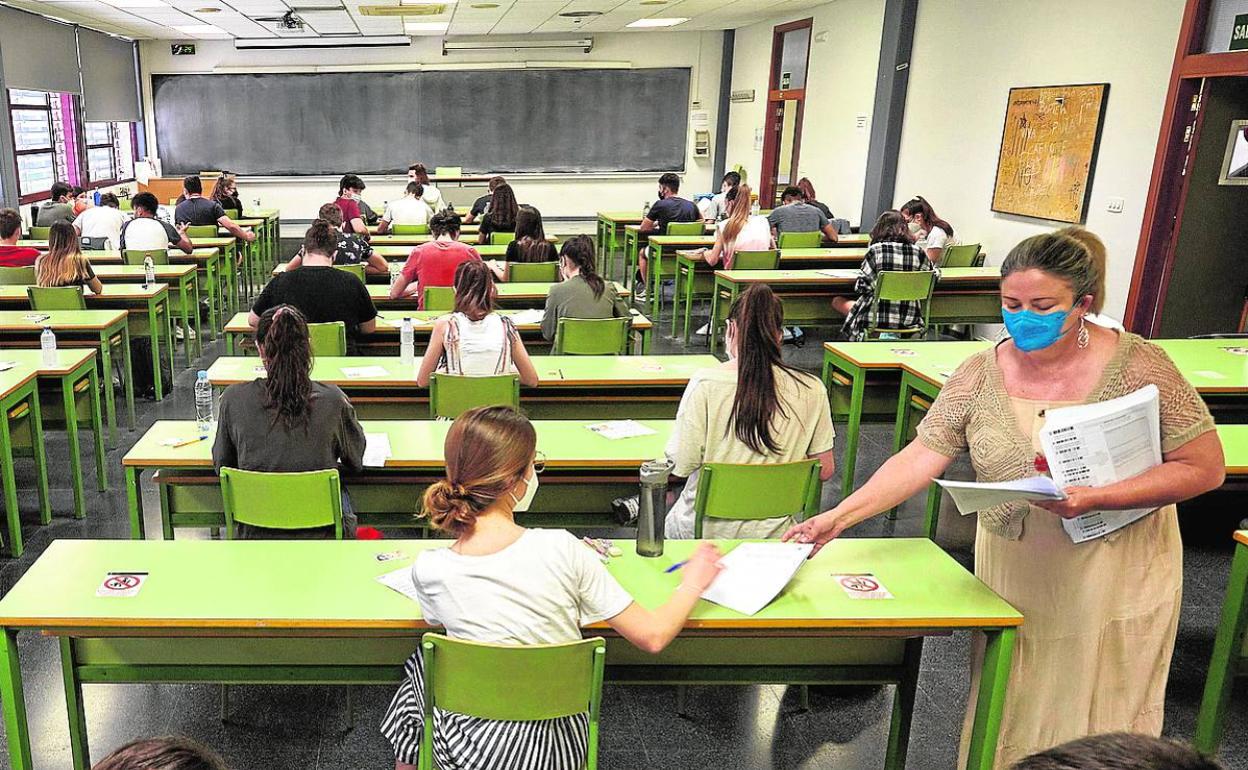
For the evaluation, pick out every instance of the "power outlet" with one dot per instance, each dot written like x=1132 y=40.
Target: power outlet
x=1116 y=204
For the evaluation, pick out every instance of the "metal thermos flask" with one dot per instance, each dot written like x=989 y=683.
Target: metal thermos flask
x=652 y=507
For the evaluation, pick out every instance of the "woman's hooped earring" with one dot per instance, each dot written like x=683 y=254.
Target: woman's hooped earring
x=1083 y=332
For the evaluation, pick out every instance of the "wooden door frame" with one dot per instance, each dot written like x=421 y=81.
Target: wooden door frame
x=776 y=96
x=1167 y=189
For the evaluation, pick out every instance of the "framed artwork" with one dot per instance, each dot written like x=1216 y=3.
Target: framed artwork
x=1235 y=163
x=1048 y=151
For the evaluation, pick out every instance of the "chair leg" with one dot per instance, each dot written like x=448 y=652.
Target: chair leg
x=804 y=697
x=350 y=709
x=682 y=693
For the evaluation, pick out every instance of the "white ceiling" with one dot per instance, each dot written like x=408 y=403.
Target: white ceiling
x=185 y=19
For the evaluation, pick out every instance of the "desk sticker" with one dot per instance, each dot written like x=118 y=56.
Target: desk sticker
x=121 y=584
x=392 y=556
x=903 y=352
x=7 y=365
x=651 y=367
x=863 y=586
x=1237 y=351
x=1209 y=375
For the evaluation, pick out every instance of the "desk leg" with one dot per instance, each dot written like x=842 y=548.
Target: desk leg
x=184 y=321
x=990 y=705
x=41 y=457
x=110 y=405
x=645 y=342
x=134 y=502
x=97 y=427
x=13 y=700
x=901 y=424
x=229 y=344
x=712 y=328
x=73 y=702
x=12 y=514
x=632 y=249
x=903 y=707
x=69 y=404
x=125 y=359
x=675 y=298
x=1227 y=648
x=853 y=426
x=654 y=278
x=193 y=292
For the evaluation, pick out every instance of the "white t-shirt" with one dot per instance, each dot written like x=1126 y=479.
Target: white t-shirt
x=408 y=211
x=483 y=348
x=936 y=239
x=714 y=207
x=541 y=589
x=101 y=222
x=755 y=235
x=148 y=234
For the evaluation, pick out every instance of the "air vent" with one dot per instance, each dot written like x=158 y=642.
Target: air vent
x=402 y=10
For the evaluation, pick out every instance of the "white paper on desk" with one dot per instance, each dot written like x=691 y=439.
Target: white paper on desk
x=36 y=318
x=363 y=372
x=398 y=322
x=7 y=365
x=617 y=429
x=376 y=449
x=972 y=496
x=753 y=574
x=400 y=580
x=530 y=316
x=1093 y=445
x=840 y=273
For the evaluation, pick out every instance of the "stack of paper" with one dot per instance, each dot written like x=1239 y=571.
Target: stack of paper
x=752 y=574
x=400 y=580
x=376 y=449
x=617 y=429
x=972 y=496
x=530 y=316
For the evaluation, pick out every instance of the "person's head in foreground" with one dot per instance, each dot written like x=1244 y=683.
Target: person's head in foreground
x=1049 y=283
x=172 y=753
x=1119 y=751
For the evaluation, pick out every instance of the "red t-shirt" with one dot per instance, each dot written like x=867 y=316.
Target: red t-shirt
x=350 y=210
x=434 y=263
x=17 y=256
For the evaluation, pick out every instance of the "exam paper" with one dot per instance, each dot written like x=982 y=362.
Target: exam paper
x=617 y=429
x=376 y=449
x=7 y=365
x=752 y=574
x=840 y=273
x=363 y=372
x=972 y=496
x=1093 y=445
x=530 y=316
x=400 y=580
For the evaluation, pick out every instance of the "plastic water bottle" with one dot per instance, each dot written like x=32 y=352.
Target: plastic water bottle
x=395 y=269
x=754 y=207
x=256 y=202
x=149 y=272
x=645 y=209
x=203 y=404
x=407 y=343
x=47 y=344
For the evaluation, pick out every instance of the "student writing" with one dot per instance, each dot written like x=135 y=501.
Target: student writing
x=351 y=249
x=741 y=231
x=892 y=249
x=64 y=263
x=59 y=207
x=931 y=232
x=102 y=224
x=501 y=218
x=430 y=194
x=225 y=192
x=482 y=204
x=670 y=207
x=715 y=207
x=798 y=216
x=12 y=255
x=198 y=211
x=434 y=263
x=411 y=209
x=530 y=244
x=582 y=293
x=147 y=233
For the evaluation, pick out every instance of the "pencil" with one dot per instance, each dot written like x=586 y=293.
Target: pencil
x=189 y=441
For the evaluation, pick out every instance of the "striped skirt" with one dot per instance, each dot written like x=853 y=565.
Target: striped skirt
x=468 y=743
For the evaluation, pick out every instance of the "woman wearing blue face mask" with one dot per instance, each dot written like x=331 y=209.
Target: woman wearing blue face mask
x=1101 y=615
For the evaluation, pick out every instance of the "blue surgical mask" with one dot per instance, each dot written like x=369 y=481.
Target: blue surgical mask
x=1032 y=330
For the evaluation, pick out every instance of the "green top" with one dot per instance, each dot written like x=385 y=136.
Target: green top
x=683 y=240
x=552 y=371
x=418 y=444
x=67 y=359
x=1210 y=365
x=113 y=291
x=401 y=253
x=261 y=213
x=273 y=584
x=163 y=272
x=210 y=243
x=834 y=277
x=22 y=373
x=574 y=298
x=898 y=354
x=621 y=217
x=389 y=321
x=1235 y=448
x=34 y=321
x=112 y=256
x=380 y=293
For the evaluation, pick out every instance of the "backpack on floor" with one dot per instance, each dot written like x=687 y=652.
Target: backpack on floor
x=141 y=369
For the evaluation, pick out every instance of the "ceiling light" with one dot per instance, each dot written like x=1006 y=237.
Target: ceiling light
x=425 y=27
x=426 y=2
x=653 y=2
x=650 y=23
x=484 y=6
x=209 y=9
x=580 y=14
x=526 y=44
x=136 y=3
x=343 y=41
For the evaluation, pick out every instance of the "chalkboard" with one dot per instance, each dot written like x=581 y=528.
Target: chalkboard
x=485 y=121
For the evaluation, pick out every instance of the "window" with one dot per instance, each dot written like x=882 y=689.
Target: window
x=110 y=151
x=35 y=140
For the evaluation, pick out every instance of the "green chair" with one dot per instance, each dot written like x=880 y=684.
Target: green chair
x=328 y=339
x=800 y=240
x=501 y=239
x=286 y=501
x=136 y=256
x=409 y=229
x=201 y=231
x=766 y=259
x=17 y=276
x=964 y=255
x=592 y=336
x=439 y=298
x=533 y=272
x=125 y=204
x=233 y=213
x=512 y=683
x=699 y=284
x=752 y=492
x=56 y=298
x=451 y=395
x=685 y=228
x=357 y=270
x=40 y=233
x=901 y=286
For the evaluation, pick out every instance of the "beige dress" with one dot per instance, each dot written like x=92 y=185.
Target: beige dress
x=1099 y=618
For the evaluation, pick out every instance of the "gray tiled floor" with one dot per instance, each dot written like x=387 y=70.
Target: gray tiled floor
x=730 y=727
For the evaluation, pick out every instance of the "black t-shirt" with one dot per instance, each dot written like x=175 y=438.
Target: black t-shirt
x=673 y=209
x=352 y=250
x=322 y=294
x=488 y=226
x=827 y=212
x=540 y=252
x=480 y=205
x=198 y=212
x=232 y=203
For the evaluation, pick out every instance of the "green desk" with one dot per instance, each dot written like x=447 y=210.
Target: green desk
x=464 y=229
x=1219 y=374
x=385 y=339
x=569 y=387
x=662 y=261
x=584 y=473
x=1230 y=651
x=19 y=406
x=511 y=295
x=182 y=283
x=322 y=618
x=253 y=253
x=610 y=236
x=228 y=269
x=270 y=231
x=74 y=374
x=694 y=277
x=416 y=240
x=963 y=294
x=401 y=253
x=100 y=329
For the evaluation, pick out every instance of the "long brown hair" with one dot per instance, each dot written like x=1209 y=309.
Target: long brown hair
x=530 y=235
x=738 y=212
x=221 y=188
x=64 y=263
x=503 y=208
x=421 y=173
x=579 y=250
x=891 y=228
x=171 y=753
x=808 y=189
x=759 y=320
x=488 y=451
x=475 y=294
x=331 y=214
x=919 y=205
x=321 y=238
x=282 y=333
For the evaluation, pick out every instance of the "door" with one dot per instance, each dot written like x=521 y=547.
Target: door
x=786 y=96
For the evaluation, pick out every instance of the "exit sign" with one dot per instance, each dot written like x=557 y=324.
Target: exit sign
x=183 y=49
x=1239 y=33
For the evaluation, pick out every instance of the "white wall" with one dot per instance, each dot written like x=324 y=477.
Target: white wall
x=840 y=85
x=969 y=53
x=555 y=195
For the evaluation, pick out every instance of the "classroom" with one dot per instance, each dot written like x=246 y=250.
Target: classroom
x=562 y=384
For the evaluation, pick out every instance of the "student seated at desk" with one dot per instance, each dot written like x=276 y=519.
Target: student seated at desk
x=352 y=249
x=501 y=217
x=530 y=244
x=670 y=207
x=482 y=204
x=741 y=231
x=225 y=192
x=58 y=208
x=320 y=291
x=808 y=193
x=751 y=409
x=12 y=255
x=583 y=293
x=798 y=216
x=198 y=211
x=431 y=195
x=715 y=207
x=411 y=209
x=147 y=233
x=348 y=201
x=474 y=340
x=931 y=232
x=80 y=200
x=64 y=264
x=285 y=421
x=892 y=249
x=102 y=223
x=434 y=263
x=501 y=583
x=171 y=753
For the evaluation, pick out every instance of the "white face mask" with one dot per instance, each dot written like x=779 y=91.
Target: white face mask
x=530 y=489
